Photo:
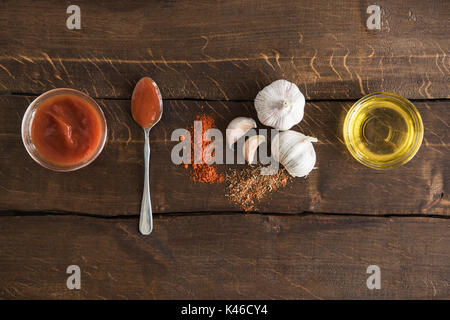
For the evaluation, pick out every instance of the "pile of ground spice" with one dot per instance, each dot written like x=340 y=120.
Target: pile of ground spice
x=246 y=187
x=203 y=172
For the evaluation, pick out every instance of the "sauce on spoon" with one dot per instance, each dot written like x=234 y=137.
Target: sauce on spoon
x=146 y=103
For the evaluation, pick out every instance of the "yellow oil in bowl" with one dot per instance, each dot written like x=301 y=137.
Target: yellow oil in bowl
x=383 y=130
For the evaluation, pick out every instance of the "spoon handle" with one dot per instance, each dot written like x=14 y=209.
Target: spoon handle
x=146 y=220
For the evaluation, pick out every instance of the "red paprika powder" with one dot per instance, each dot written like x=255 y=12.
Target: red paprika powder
x=203 y=172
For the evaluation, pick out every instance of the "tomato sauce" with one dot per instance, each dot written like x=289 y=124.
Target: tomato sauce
x=66 y=130
x=146 y=103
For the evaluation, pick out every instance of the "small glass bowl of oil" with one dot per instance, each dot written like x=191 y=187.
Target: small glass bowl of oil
x=383 y=130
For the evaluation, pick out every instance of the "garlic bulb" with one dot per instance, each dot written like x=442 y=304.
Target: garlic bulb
x=295 y=152
x=237 y=128
x=280 y=105
x=250 y=147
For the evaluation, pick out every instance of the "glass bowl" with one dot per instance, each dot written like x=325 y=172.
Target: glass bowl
x=27 y=123
x=383 y=130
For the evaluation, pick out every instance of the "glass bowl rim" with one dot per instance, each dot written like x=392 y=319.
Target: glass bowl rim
x=412 y=111
x=27 y=122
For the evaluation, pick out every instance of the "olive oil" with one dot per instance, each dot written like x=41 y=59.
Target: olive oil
x=383 y=130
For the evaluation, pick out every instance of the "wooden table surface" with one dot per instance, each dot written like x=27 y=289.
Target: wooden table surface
x=313 y=239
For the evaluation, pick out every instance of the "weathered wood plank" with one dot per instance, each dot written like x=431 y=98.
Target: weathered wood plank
x=227 y=50
x=225 y=257
x=112 y=184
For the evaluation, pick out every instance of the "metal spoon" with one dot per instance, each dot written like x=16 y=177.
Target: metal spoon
x=146 y=219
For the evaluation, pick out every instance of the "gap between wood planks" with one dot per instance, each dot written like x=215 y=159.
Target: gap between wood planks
x=30 y=94
x=12 y=213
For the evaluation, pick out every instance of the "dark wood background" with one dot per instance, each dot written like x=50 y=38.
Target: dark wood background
x=313 y=239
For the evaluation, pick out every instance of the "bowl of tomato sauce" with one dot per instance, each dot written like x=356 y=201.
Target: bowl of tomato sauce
x=64 y=129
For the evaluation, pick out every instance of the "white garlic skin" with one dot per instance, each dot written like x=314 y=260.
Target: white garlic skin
x=237 y=128
x=295 y=152
x=280 y=105
x=250 y=147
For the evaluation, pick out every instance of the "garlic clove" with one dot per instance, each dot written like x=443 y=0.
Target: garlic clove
x=237 y=128
x=280 y=105
x=250 y=147
x=295 y=152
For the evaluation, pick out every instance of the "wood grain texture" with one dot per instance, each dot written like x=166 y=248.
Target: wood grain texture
x=227 y=49
x=213 y=57
x=225 y=257
x=112 y=184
